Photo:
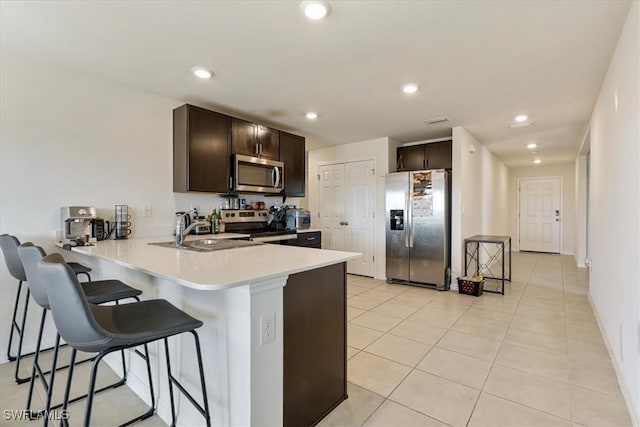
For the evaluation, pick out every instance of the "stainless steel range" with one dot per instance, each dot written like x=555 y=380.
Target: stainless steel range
x=256 y=224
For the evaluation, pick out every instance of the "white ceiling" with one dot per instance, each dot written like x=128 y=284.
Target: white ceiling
x=477 y=62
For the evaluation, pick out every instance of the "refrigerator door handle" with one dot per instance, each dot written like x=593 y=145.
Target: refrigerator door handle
x=410 y=210
x=407 y=228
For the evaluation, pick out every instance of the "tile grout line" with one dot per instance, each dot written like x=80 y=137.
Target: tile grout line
x=493 y=362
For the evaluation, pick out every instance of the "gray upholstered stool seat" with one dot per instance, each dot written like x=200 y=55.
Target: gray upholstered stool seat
x=102 y=291
x=105 y=329
x=135 y=324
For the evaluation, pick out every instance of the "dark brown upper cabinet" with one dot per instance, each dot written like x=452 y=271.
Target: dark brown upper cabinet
x=201 y=148
x=255 y=140
x=436 y=155
x=292 y=154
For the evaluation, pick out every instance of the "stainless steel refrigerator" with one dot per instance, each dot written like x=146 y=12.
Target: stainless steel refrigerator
x=418 y=228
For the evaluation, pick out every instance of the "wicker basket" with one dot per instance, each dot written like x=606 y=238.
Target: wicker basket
x=469 y=286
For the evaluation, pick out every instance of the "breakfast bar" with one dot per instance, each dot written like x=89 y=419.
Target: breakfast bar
x=250 y=299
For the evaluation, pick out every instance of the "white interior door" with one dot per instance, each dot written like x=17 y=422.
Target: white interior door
x=359 y=215
x=332 y=206
x=539 y=220
x=346 y=207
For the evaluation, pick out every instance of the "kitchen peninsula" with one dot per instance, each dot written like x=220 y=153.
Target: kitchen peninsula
x=273 y=340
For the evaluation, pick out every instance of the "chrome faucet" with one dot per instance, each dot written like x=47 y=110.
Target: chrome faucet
x=181 y=230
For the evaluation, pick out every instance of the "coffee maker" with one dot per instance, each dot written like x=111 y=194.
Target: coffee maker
x=76 y=224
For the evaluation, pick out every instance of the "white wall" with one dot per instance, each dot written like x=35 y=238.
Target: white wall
x=567 y=207
x=479 y=195
x=614 y=209
x=71 y=139
x=580 y=229
x=377 y=149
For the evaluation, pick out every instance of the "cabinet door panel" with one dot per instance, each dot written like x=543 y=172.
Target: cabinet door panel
x=244 y=138
x=293 y=156
x=269 y=141
x=439 y=155
x=208 y=141
x=411 y=158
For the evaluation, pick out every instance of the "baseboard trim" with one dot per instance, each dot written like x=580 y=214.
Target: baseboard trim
x=635 y=418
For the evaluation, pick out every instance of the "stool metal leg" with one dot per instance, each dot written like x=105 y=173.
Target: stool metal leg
x=47 y=407
x=34 y=370
x=18 y=379
x=67 y=389
x=92 y=390
x=170 y=381
x=204 y=408
x=14 y=323
x=207 y=414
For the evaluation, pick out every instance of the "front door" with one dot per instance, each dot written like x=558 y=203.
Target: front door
x=347 y=204
x=539 y=220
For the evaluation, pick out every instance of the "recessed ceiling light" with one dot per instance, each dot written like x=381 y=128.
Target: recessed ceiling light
x=531 y=146
x=537 y=161
x=311 y=115
x=521 y=118
x=202 y=73
x=315 y=9
x=410 y=88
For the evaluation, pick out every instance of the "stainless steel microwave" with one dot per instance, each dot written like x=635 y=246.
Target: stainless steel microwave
x=256 y=175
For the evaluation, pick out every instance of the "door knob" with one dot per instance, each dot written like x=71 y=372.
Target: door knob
x=346 y=223
x=341 y=222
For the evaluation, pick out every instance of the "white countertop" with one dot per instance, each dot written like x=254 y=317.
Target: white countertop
x=214 y=270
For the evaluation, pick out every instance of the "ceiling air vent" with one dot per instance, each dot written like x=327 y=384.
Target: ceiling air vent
x=520 y=125
x=436 y=120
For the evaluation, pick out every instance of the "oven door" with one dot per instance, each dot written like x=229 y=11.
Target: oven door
x=256 y=175
x=280 y=239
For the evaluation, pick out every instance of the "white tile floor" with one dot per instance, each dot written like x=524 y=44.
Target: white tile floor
x=534 y=357
x=418 y=357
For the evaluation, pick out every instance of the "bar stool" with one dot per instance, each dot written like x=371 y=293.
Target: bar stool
x=98 y=292
x=105 y=329
x=9 y=245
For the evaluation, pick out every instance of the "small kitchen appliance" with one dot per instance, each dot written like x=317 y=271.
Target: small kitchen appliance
x=257 y=175
x=76 y=224
x=297 y=218
x=122 y=222
x=100 y=229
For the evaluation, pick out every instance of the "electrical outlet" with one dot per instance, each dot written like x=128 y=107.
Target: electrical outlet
x=267 y=328
x=146 y=210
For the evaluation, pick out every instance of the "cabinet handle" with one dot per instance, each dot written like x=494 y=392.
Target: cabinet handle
x=424 y=163
x=311 y=238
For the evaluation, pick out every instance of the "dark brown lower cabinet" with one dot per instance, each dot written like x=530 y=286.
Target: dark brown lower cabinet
x=315 y=344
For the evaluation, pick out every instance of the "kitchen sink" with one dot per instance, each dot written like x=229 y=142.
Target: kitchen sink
x=208 y=245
